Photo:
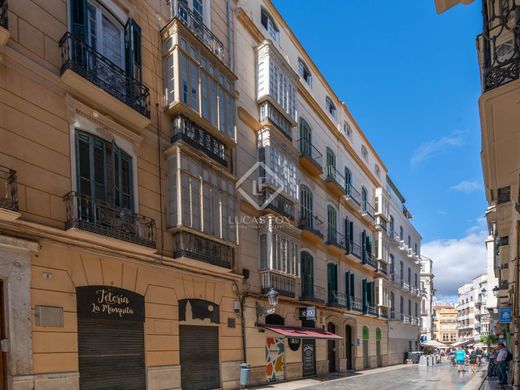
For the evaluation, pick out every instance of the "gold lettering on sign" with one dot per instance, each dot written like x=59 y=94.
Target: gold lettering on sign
x=107 y=303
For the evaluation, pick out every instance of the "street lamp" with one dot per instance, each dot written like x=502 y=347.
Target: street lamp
x=272 y=298
x=495 y=291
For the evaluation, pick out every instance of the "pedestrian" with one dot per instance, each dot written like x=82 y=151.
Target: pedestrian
x=503 y=359
x=473 y=361
x=460 y=357
x=479 y=356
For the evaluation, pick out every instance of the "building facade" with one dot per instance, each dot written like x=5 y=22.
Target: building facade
x=427 y=298
x=155 y=187
x=472 y=313
x=445 y=324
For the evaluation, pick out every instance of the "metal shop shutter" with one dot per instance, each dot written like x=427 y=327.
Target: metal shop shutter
x=199 y=356
x=111 y=354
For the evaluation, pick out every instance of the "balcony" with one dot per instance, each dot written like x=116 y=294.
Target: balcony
x=405 y=285
x=282 y=283
x=382 y=268
x=8 y=195
x=336 y=240
x=367 y=211
x=4 y=32
x=201 y=249
x=352 y=196
x=104 y=84
x=354 y=249
x=311 y=226
x=317 y=295
x=356 y=304
x=394 y=315
x=381 y=224
x=195 y=25
x=90 y=215
x=383 y=312
x=269 y=116
x=310 y=158
x=406 y=319
x=368 y=259
x=334 y=181
x=280 y=204
x=371 y=310
x=337 y=299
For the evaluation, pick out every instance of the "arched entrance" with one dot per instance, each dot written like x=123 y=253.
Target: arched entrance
x=366 y=335
x=349 y=345
x=331 y=348
x=378 y=348
x=199 y=344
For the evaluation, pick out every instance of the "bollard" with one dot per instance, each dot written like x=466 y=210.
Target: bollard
x=244 y=374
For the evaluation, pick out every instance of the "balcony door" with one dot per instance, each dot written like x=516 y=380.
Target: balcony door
x=331 y=164
x=348 y=180
x=305 y=138
x=332 y=281
x=306 y=208
x=332 y=224
x=307 y=275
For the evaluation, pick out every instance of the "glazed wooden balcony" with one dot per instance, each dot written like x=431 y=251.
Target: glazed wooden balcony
x=195 y=25
x=382 y=268
x=311 y=227
x=87 y=216
x=191 y=246
x=334 y=181
x=269 y=116
x=282 y=283
x=8 y=194
x=310 y=159
x=102 y=83
x=4 y=32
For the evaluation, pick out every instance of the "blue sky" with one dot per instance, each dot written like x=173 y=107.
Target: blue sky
x=411 y=79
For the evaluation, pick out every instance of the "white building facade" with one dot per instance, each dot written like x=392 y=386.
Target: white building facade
x=427 y=295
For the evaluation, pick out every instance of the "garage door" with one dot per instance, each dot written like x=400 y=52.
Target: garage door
x=199 y=355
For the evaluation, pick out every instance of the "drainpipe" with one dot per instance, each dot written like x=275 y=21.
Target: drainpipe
x=231 y=65
x=516 y=316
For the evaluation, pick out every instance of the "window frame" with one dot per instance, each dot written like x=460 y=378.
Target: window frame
x=271 y=27
x=331 y=107
x=303 y=71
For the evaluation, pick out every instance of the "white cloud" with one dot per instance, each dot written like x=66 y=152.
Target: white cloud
x=457 y=260
x=428 y=149
x=467 y=186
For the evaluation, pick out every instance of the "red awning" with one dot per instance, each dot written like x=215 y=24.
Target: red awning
x=302 y=333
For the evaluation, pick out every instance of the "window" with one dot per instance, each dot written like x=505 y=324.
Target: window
x=378 y=171
x=332 y=223
x=104 y=171
x=282 y=167
x=392 y=225
x=331 y=108
x=401 y=233
x=348 y=181
x=409 y=242
x=364 y=198
x=304 y=72
x=364 y=152
x=105 y=34
x=273 y=80
x=270 y=26
x=305 y=138
x=415 y=280
x=306 y=209
x=401 y=270
x=331 y=165
x=347 y=130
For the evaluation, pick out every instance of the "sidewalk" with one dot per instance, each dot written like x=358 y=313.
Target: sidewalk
x=331 y=378
x=480 y=382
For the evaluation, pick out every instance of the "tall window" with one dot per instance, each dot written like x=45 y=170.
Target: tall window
x=347 y=130
x=331 y=164
x=392 y=225
x=332 y=224
x=401 y=270
x=281 y=255
x=304 y=72
x=377 y=170
x=332 y=281
x=364 y=152
x=401 y=233
x=104 y=171
x=409 y=276
x=306 y=209
x=409 y=242
x=307 y=274
x=391 y=261
x=364 y=198
x=348 y=180
x=305 y=138
x=269 y=24
x=331 y=107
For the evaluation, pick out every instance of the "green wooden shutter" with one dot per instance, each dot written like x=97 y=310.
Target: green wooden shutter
x=83 y=158
x=133 y=49
x=352 y=286
x=363 y=246
x=332 y=279
x=347 y=287
x=347 y=234
x=307 y=275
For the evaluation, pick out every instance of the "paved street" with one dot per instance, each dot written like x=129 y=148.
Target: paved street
x=403 y=377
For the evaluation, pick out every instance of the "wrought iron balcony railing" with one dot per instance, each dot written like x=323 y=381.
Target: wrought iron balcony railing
x=352 y=194
x=334 y=176
x=335 y=238
x=308 y=150
x=283 y=284
x=368 y=259
x=356 y=304
x=355 y=249
x=314 y=294
x=311 y=223
x=195 y=136
x=499 y=43
x=279 y=204
x=270 y=114
x=381 y=267
x=367 y=209
x=3 y=14
x=202 y=249
x=195 y=24
x=371 y=310
x=84 y=60
x=93 y=215
x=337 y=298
x=8 y=189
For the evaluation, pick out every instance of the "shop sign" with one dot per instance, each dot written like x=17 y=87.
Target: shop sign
x=308 y=313
x=110 y=303
x=294 y=344
x=506 y=315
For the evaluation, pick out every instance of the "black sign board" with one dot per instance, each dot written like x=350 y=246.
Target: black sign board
x=294 y=344
x=110 y=303
x=309 y=357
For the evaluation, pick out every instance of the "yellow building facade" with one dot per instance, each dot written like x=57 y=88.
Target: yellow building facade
x=138 y=234
x=445 y=324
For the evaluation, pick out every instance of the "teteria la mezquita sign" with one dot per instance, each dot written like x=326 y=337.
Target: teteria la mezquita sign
x=110 y=303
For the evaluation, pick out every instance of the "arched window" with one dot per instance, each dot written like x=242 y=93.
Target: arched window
x=378 y=334
x=331 y=107
x=307 y=275
x=306 y=207
x=332 y=224
x=331 y=164
x=364 y=152
x=332 y=282
x=348 y=180
x=274 y=319
x=366 y=333
x=304 y=72
x=305 y=138
x=269 y=24
x=364 y=198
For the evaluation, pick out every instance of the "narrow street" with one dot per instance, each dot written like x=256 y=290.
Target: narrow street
x=404 y=377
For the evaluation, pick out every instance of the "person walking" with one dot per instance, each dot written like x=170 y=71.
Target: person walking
x=502 y=360
x=460 y=357
x=473 y=361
